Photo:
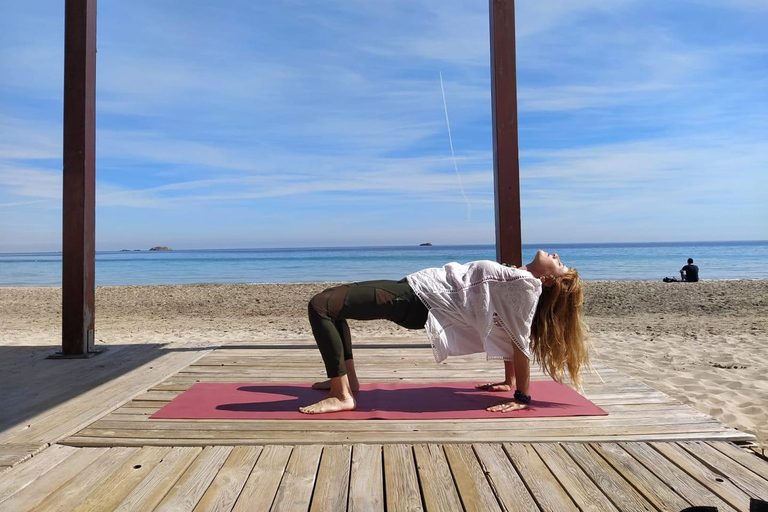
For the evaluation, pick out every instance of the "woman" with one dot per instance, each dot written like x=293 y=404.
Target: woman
x=512 y=314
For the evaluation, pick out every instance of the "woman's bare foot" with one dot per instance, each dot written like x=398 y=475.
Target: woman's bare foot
x=498 y=386
x=339 y=399
x=330 y=404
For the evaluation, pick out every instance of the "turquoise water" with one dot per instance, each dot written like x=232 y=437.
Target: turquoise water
x=638 y=261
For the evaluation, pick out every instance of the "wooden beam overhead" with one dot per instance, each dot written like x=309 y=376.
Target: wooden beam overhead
x=79 y=202
x=506 y=163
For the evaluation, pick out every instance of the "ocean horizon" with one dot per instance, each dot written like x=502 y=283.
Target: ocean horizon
x=644 y=261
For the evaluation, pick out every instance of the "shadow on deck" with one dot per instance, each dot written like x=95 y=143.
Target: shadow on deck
x=43 y=400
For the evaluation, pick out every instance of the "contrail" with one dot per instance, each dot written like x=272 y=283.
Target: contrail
x=453 y=155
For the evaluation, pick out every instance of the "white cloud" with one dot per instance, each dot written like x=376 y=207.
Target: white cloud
x=22 y=139
x=700 y=159
x=28 y=182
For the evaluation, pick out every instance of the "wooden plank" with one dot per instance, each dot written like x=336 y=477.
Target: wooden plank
x=745 y=479
x=629 y=423
x=504 y=479
x=289 y=375
x=655 y=490
x=384 y=361
x=715 y=482
x=187 y=492
x=332 y=485
x=17 y=478
x=118 y=485
x=295 y=491
x=581 y=489
x=82 y=484
x=640 y=400
x=14 y=453
x=683 y=483
x=187 y=379
x=437 y=485
x=260 y=488
x=277 y=438
x=306 y=344
x=400 y=480
x=547 y=492
x=616 y=488
x=746 y=458
x=147 y=494
x=474 y=489
x=454 y=435
x=542 y=428
x=32 y=496
x=226 y=487
x=366 y=479
x=369 y=361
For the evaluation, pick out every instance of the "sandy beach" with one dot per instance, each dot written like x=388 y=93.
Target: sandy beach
x=705 y=343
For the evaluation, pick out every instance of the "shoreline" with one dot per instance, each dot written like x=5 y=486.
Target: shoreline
x=331 y=283
x=704 y=343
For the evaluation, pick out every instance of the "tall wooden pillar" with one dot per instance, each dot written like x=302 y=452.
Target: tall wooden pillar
x=506 y=163
x=78 y=258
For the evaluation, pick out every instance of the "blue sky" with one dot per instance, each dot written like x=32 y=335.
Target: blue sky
x=320 y=123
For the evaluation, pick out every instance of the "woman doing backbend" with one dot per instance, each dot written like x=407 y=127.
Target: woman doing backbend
x=511 y=314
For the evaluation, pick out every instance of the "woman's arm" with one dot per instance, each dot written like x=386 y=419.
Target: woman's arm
x=521 y=371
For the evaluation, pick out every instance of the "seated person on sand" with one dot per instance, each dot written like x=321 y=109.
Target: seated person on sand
x=512 y=314
x=690 y=272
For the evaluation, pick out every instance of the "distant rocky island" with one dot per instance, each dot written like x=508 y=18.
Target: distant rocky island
x=426 y=244
x=161 y=248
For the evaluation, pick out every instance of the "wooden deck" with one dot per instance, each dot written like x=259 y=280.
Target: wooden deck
x=650 y=453
x=484 y=477
x=636 y=412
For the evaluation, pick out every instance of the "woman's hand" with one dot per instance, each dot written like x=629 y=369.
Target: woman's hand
x=510 y=406
x=498 y=386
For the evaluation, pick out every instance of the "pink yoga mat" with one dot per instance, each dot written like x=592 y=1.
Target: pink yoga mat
x=392 y=401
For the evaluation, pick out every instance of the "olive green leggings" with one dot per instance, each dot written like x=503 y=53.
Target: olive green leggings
x=367 y=300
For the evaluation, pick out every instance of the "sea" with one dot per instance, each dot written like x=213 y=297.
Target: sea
x=596 y=262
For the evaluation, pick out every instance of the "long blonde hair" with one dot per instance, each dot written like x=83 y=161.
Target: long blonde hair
x=558 y=334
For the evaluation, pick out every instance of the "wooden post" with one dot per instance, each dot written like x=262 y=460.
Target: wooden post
x=78 y=255
x=506 y=163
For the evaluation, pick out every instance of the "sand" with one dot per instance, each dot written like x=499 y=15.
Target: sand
x=705 y=343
